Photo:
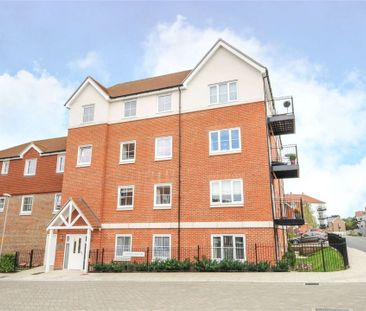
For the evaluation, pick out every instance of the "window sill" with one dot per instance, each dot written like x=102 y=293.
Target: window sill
x=162 y=207
x=127 y=162
x=55 y=212
x=129 y=117
x=163 y=159
x=227 y=205
x=122 y=259
x=83 y=165
x=125 y=208
x=224 y=152
x=30 y=175
x=25 y=214
x=163 y=112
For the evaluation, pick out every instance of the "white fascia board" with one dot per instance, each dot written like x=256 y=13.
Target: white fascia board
x=30 y=146
x=144 y=94
x=212 y=51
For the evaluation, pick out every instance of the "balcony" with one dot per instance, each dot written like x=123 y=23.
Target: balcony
x=289 y=212
x=285 y=162
x=281 y=116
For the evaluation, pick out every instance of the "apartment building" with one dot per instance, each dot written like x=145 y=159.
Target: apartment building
x=159 y=166
x=30 y=192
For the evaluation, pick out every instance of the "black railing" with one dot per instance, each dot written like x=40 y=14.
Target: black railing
x=281 y=106
x=281 y=116
x=288 y=212
x=285 y=162
x=24 y=259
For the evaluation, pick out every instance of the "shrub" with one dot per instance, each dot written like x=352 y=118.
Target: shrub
x=7 y=263
x=290 y=257
x=281 y=266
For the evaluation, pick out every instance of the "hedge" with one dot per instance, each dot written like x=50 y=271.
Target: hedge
x=7 y=263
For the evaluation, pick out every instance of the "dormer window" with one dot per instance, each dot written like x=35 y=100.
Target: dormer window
x=130 y=109
x=5 y=167
x=165 y=103
x=223 y=93
x=30 y=167
x=88 y=113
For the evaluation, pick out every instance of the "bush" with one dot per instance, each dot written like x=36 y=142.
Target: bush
x=281 y=266
x=7 y=263
x=290 y=257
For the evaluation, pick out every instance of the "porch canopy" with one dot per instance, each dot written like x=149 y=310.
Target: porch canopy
x=75 y=215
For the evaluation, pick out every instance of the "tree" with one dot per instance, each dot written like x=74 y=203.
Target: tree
x=309 y=217
x=351 y=223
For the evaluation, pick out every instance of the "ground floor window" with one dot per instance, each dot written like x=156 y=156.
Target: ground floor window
x=228 y=247
x=161 y=246
x=123 y=244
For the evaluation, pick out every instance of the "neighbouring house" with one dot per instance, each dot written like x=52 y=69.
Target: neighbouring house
x=314 y=206
x=165 y=166
x=361 y=221
x=30 y=192
x=336 y=224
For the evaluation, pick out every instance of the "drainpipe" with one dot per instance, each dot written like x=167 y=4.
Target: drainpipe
x=266 y=77
x=7 y=196
x=179 y=165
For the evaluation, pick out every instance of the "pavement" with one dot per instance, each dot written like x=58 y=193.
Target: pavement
x=357 y=242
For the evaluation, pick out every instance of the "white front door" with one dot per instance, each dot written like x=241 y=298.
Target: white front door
x=74 y=251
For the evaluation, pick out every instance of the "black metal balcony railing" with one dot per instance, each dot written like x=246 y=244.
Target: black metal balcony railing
x=289 y=212
x=285 y=162
x=281 y=116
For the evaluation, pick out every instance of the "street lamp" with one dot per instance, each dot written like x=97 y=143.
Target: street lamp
x=8 y=196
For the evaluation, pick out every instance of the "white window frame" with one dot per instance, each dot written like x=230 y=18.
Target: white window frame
x=154 y=257
x=163 y=206
x=122 y=258
x=58 y=168
x=221 y=235
x=26 y=213
x=5 y=167
x=219 y=151
x=217 y=85
x=2 y=206
x=121 y=161
x=232 y=204
x=88 y=106
x=26 y=167
x=171 y=103
x=82 y=164
x=162 y=158
x=55 y=210
x=124 y=108
x=125 y=207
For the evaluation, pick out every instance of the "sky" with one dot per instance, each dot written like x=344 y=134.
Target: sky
x=315 y=51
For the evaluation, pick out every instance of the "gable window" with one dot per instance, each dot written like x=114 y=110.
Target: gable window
x=228 y=247
x=225 y=141
x=60 y=165
x=2 y=204
x=164 y=103
x=27 y=205
x=130 y=109
x=123 y=244
x=125 y=197
x=163 y=148
x=5 y=167
x=57 y=203
x=84 y=155
x=88 y=113
x=128 y=152
x=162 y=196
x=227 y=192
x=223 y=93
x=161 y=246
x=30 y=167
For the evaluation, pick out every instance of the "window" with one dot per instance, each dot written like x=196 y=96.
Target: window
x=227 y=192
x=57 y=203
x=128 y=152
x=123 y=244
x=2 y=204
x=30 y=167
x=27 y=204
x=162 y=195
x=225 y=141
x=223 y=93
x=130 y=109
x=60 y=166
x=228 y=247
x=88 y=113
x=164 y=103
x=163 y=148
x=84 y=155
x=125 y=197
x=5 y=168
x=161 y=247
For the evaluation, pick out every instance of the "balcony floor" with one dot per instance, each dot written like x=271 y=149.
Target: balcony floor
x=282 y=124
x=285 y=170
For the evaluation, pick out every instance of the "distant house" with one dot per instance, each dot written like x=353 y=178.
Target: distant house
x=336 y=224
x=315 y=205
x=361 y=221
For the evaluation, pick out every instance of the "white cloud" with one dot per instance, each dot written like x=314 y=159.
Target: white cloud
x=91 y=64
x=330 y=118
x=31 y=107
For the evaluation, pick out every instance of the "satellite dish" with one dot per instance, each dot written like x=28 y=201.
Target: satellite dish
x=286 y=104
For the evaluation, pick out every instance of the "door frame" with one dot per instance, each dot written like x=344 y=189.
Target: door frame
x=86 y=241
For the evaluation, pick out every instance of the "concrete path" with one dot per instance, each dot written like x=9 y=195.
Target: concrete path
x=357 y=242
x=356 y=274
